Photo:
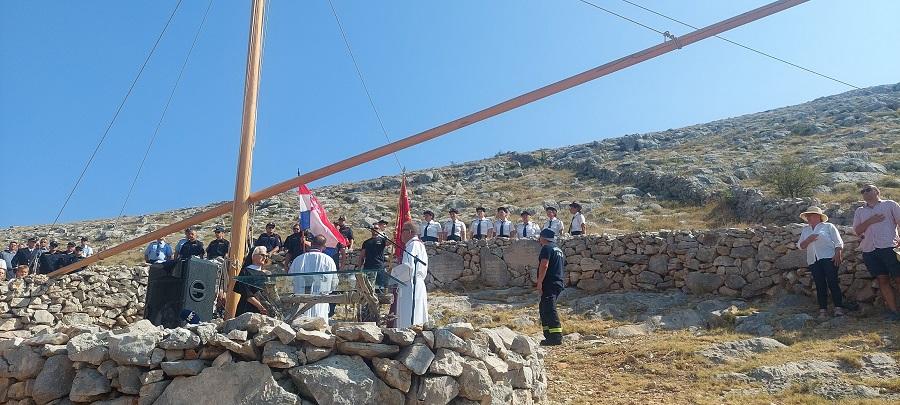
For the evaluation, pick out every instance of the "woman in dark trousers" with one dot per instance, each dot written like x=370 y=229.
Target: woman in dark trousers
x=824 y=252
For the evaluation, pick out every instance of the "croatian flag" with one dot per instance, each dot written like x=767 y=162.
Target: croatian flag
x=314 y=218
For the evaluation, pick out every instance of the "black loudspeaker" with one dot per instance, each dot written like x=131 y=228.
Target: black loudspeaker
x=181 y=291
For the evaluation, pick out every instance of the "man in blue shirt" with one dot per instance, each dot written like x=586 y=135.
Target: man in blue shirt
x=551 y=266
x=158 y=251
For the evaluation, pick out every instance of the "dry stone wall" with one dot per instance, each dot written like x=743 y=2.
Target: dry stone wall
x=254 y=359
x=730 y=262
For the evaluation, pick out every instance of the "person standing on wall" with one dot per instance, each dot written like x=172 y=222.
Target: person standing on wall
x=502 y=225
x=454 y=229
x=481 y=226
x=551 y=266
x=577 y=225
x=553 y=223
x=431 y=229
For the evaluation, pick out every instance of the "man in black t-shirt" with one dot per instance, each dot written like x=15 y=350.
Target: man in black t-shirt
x=346 y=231
x=372 y=254
x=219 y=246
x=551 y=266
x=191 y=246
x=293 y=245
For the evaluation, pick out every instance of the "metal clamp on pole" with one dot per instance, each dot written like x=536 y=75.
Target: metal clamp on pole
x=667 y=36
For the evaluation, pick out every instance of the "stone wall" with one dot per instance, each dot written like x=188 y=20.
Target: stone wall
x=253 y=359
x=752 y=206
x=730 y=262
x=102 y=296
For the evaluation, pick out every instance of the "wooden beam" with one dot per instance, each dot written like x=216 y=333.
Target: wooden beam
x=241 y=205
x=470 y=119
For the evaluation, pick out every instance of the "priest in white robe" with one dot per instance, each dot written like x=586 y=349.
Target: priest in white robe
x=412 y=309
x=314 y=261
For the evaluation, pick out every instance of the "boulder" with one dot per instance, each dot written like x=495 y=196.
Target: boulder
x=55 y=379
x=703 y=283
x=416 y=357
x=134 y=348
x=737 y=350
x=24 y=363
x=247 y=382
x=433 y=391
x=446 y=362
x=336 y=380
x=475 y=380
x=88 y=385
x=393 y=373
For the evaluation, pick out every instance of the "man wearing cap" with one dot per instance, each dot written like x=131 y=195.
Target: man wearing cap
x=527 y=228
x=189 y=246
x=454 y=229
x=158 y=251
x=7 y=256
x=481 y=226
x=577 y=225
x=371 y=255
x=269 y=239
x=553 y=223
x=85 y=249
x=503 y=227
x=551 y=266
x=26 y=255
x=876 y=223
x=431 y=229
x=219 y=246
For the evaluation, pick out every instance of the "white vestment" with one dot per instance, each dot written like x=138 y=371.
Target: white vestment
x=405 y=293
x=323 y=284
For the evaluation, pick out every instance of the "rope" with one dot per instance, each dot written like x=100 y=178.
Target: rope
x=165 y=109
x=747 y=47
x=624 y=18
x=118 y=110
x=363 y=81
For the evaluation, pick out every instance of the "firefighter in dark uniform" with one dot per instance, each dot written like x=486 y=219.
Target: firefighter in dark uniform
x=552 y=263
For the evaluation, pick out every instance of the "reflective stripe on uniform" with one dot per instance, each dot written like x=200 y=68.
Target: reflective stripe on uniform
x=555 y=330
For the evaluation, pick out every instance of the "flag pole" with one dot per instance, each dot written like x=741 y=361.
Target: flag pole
x=241 y=205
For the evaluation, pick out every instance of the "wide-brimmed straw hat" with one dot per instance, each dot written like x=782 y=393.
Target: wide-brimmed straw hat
x=814 y=210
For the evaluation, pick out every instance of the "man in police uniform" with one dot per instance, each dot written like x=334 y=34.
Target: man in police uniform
x=551 y=266
x=189 y=246
x=431 y=229
x=454 y=229
x=553 y=223
x=481 y=226
x=526 y=229
x=219 y=246
x=502 y=225
x=269 y=239
x=294 y=244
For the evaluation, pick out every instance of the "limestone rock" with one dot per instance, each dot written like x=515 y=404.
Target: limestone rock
x=736 y=350
x=133 y=348
x=433 y=390
x=400 y=337
x=180 y=339
x=183 y=367
x=523 y=345
x=336 y=380
x=475 y=380
x=393 y=373
x=358 y=332
x=703 y=283
x=129 y=379
x=447 y=362
x=88 y=385
x=247 y=382
x=279 y=355
x=417 y=358
x=316 y=338
x=368 y=349
x=24 y=363
x=55 y=379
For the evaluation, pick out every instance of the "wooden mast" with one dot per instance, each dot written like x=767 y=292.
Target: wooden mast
x=241 y=204
x=446 y=128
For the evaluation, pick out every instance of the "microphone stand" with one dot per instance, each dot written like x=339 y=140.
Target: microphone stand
x=415 y=269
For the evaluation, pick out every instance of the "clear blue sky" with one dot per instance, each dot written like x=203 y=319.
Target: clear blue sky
x=64 y=67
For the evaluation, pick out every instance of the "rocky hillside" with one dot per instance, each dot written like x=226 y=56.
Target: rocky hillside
x=701 y=176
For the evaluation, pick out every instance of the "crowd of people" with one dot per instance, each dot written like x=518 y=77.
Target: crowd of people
x=40 y=256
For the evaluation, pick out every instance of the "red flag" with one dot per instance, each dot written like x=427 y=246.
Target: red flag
x=403 y=216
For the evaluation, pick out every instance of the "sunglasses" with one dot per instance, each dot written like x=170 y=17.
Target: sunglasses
x=866 y=190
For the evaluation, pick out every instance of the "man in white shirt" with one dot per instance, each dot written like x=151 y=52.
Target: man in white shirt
x=85 y=249
x=553 y=223
x=482 y=227
x=527 y=229
x=454 y=229
x=412 y=299
x=876 y=223
x=577 y=225
x=502 y=225
x=431 y=229
x=315 y=261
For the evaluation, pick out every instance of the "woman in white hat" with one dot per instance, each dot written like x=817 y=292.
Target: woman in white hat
x=824 y=252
